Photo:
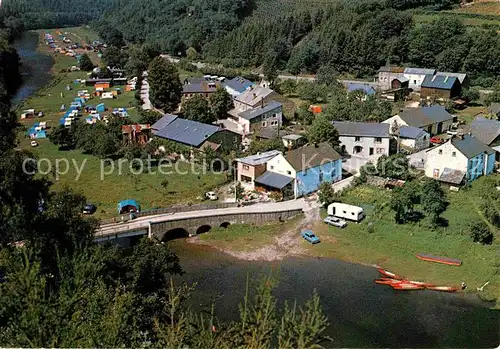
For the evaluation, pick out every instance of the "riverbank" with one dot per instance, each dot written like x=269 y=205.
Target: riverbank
x=389 y=245
x=103 y=190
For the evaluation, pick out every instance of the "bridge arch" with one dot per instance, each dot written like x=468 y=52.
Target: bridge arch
x=176 y=233
x=225 y=225
x=203 y=229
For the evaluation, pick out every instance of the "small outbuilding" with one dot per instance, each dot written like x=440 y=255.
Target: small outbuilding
x=128 y=206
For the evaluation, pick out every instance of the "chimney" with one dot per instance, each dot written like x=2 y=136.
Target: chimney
x=254 y=95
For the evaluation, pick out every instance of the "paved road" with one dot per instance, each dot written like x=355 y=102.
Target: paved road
x=146 y=103
x=143 y=222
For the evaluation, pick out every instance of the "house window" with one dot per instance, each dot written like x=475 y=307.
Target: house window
x=305 y=172
x=246 y=179
x=454 y=154
x=272 y=167
x=440 y=152
x=321 y=176
x=246 y=167
x=378 y=140
x=274 y=115
x=414 y=82
x=274 y=123
x=380 y=150
x=289 y=173
x=264 y=124
x=357 y=139
x=371 y=151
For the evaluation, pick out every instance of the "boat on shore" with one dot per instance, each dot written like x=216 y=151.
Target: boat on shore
x=405 y=286
x=389 y=274
x=387 y=281
x=443 y=288
x=437 y=259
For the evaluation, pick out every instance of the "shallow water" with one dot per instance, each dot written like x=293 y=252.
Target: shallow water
x=35 y=67
x=361 y=313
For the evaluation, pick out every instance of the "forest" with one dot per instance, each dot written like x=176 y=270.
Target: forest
x=38 y=14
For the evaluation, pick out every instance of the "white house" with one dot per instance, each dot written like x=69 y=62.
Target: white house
x=462 y=158
x=364 y=139
x=434 y=119
x=417 y=76
x=413 y=138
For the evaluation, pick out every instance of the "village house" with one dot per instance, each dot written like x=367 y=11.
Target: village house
x=293 y=141
x=199 y=86
x=463 y=78
x=251 y=167
x=434 y=119
x=462 y=158
x=440 y=87
x=137 y=133
x=268 y=115
x=364 y=139
x=488 y=132
x=195 y=134
x=302 y=170
x=413 y=138
x=237 y=86
x=387 y=74
x=416 y=77
x=494 y=109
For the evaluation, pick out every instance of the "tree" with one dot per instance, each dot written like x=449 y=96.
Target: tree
x=480 y=232
x=62 y=137
x=221 y=102
x=326 y=194
x=260 y=146
x=327 y=75
x=322 y=130
x=197 y=108
x=433 y=201
x=401 y=204
x=394 y=166
x=166 y=88
x=149 y=116
x=85 y=63
x=287 y=87
x=191 y=53
x=304 y=114
x=114 y=57
x=470 y=95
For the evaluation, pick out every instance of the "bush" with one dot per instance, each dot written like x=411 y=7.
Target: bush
x=480 y=232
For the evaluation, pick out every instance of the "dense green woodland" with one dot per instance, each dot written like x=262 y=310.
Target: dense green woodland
x=37 y=14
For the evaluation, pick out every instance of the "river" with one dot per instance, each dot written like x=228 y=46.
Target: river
x=35 y=67
x=361 y=314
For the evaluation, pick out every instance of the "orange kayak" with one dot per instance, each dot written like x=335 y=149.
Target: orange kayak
x=436 y=259
x=389 y=274
x=403 y=286
x=387 y=281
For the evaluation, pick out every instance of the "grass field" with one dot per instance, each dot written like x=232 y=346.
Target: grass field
x=244 y=237
x=468 y=21
x=394 y=246
x=145 y=188
x=481 y=7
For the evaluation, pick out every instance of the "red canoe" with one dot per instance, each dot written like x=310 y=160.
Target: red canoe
x=389 y=274
x=436 y=259
x=387 y=281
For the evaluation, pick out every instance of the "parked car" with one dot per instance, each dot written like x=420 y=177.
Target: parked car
x=436 y=140
x=89 y=209
x=211 y=196
x=34 y=143
x=309 y=236
x=335 y=221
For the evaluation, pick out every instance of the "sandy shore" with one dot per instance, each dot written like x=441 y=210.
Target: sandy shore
x=284 y=245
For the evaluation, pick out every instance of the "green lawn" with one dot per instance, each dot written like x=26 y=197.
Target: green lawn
x=420 y=19
x=145 y=188
x=394 y=246
x=246 y=238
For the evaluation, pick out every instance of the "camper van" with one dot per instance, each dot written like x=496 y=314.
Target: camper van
x=349 y=212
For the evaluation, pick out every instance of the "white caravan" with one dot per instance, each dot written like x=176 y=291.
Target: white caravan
x=350 y=212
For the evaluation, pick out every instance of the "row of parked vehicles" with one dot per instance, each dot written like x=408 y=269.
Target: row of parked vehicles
x=338 y=215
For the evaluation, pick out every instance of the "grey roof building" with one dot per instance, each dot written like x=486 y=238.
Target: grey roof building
x=188 y=132
x=273 y=180
x=462 y=77
x=486 y=130
x=315 y=155
x=442 y=82
x=259 y=159
x=470 y=146
x=419 y=71
x=255 y=113
x=420 y=117
x=494 y=109
x=363 y=129
x=410 y=132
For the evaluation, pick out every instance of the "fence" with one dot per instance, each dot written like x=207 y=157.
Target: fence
x=174 y=209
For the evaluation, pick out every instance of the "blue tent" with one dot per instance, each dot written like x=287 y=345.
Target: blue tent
x=101 y=108
x=127 y=206
x=40 y=135
x=61 y=121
